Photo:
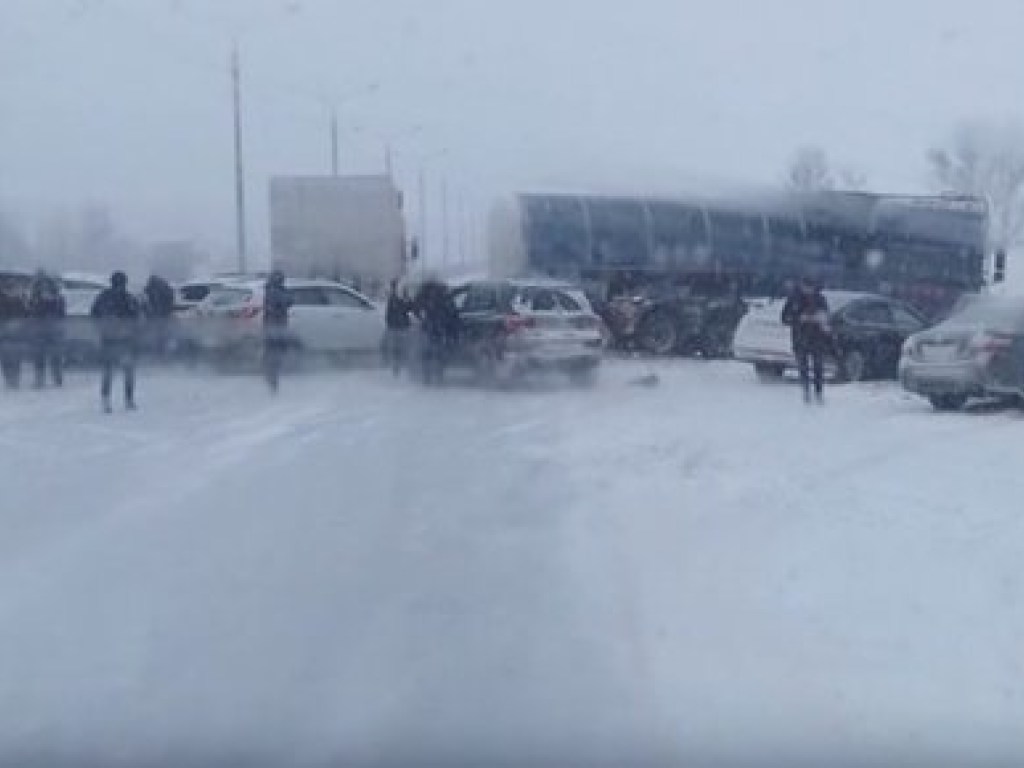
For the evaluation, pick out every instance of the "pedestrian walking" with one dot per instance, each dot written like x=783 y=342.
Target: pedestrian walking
x=806 y=314
x=276 y=303
x=398 y=322
x=47 y=312
x=117 y=315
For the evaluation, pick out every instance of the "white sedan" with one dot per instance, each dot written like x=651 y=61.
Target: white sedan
x=325 y=317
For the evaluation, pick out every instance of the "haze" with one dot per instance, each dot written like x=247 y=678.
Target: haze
x=127 y=102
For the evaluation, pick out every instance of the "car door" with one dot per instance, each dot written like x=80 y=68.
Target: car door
x=308 y=317
x=477 y=305
x=354 y=323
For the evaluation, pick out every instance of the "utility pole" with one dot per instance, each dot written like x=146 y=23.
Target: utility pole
x=444 y=221
x=462 y=229
x=423 y=218
x=236 y=89
x=334 y=142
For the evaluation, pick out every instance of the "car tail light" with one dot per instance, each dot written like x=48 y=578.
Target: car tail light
x=517 y=323
x=248 y=312
x=990 y=343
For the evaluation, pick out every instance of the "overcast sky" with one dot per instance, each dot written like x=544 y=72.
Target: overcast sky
x=127 y=102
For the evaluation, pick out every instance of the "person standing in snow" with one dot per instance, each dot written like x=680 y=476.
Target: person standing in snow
x=159 y=313
x=117 y=315
x=47 y=311
x=13 y=312
x=276 y=303
x=806 y=314
x=439 y=321
x=397 y=324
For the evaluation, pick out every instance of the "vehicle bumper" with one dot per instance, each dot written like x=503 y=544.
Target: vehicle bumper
x=946 y=379
x=556 y=356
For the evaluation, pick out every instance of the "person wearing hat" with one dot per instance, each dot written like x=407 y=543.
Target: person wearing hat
x=276 y=303
x=116 y=313
x=806 y=314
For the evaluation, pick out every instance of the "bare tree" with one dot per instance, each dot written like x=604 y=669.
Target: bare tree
x=85 y=240
x=809 y=170
x=986 y=158
x=852 y=179
x=14 y=248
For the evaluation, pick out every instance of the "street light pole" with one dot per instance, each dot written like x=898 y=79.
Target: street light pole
x=423 y=217
x=236 y=90
x=444 y=221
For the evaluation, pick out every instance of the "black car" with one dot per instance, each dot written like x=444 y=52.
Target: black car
x=693 y=314
x=868 y=332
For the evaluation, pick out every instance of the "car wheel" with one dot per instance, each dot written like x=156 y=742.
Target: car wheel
x=854 y=365
x=658 y=334
x=493 y=369
x=768 y=371
x=947 y=402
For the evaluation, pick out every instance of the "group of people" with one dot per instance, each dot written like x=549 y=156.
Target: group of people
x=438 y=319
x=34 y=325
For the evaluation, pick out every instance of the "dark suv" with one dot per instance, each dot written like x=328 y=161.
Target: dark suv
x=692 y=314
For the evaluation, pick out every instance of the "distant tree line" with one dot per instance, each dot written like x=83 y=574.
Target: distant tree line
x=978 y=157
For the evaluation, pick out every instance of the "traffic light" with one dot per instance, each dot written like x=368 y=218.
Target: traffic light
x=999 y=267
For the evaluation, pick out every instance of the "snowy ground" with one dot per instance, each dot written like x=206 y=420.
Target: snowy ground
x=367 y=572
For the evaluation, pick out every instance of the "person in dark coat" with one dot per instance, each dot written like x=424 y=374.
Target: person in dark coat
x=806 y=314
x=397 y=322
x=159 y=312
x=117 y=315
x=13 y=312
x=47 y=311
x=277 y=301
x=439 y=320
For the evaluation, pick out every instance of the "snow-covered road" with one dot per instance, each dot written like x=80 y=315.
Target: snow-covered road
x=365 y=571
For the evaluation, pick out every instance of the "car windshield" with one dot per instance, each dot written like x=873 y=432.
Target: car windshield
x=227 y=297
x=429 y=383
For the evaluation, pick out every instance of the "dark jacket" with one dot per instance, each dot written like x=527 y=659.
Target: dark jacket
x=46 y=308
x=159 y=297
x=13 y=310
x=807 y=316
x=436 y=310
x=396 y=315
x=276 y=303
x=117 y=314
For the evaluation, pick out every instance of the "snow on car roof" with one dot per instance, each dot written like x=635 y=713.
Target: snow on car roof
x=837 y=299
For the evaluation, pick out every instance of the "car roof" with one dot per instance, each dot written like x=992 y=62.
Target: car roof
x=522 y=282
x=837 y=299
x=291 y=282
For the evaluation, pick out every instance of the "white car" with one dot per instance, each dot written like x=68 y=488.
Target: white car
x=325 y=317
x=762 y=338
x=80 y=290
